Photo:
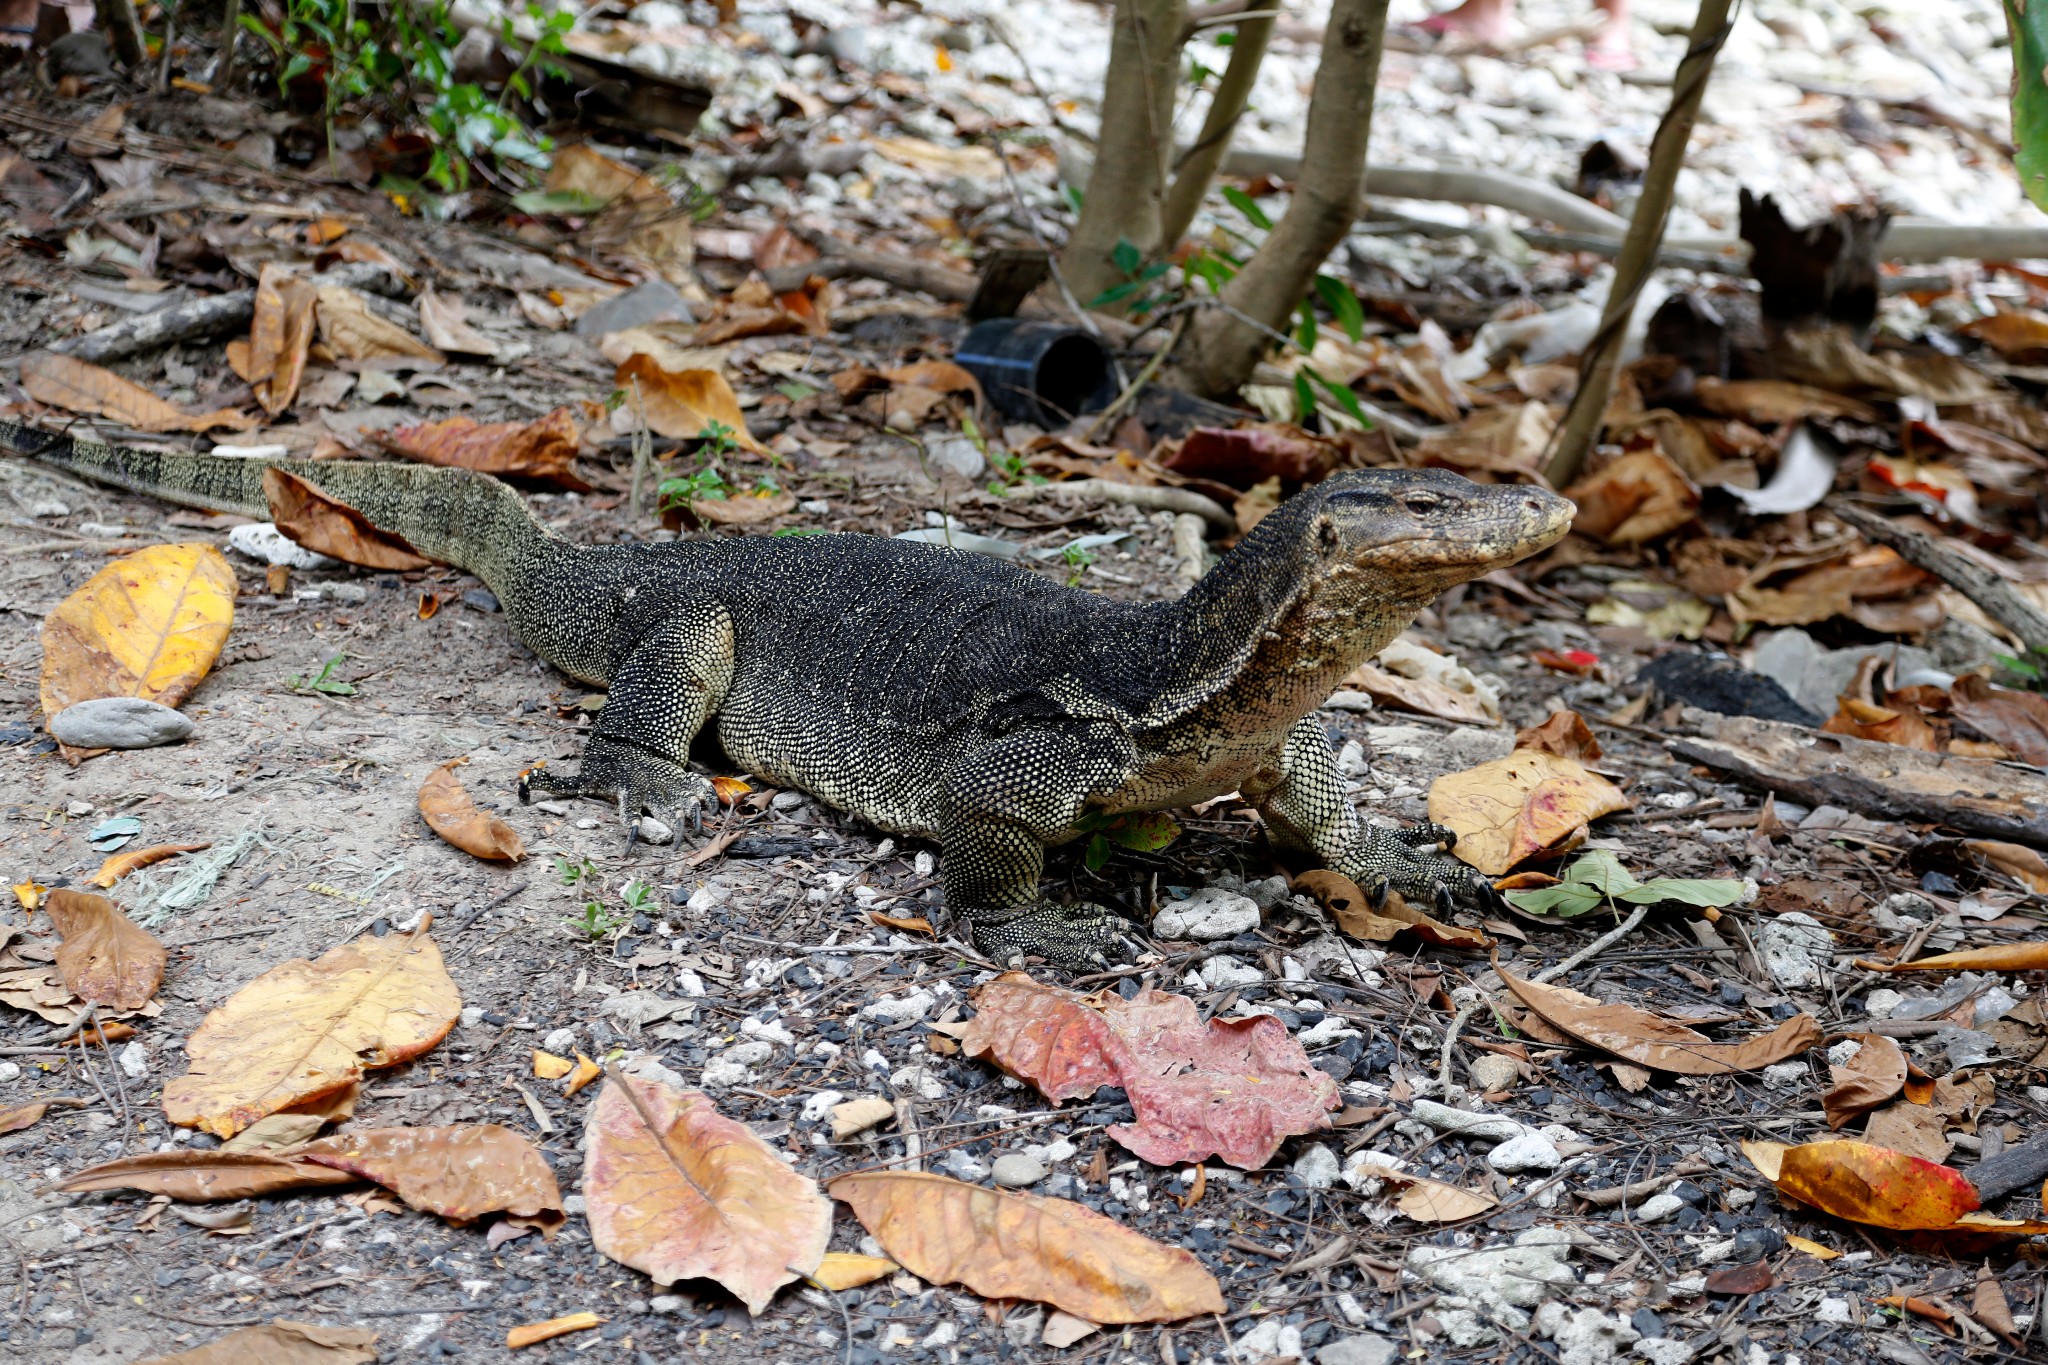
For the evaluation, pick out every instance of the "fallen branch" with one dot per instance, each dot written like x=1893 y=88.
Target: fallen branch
x=1150 y=497
x=207 y=316
x=941 y=282
x=2015 y=1168
x=1999 y=599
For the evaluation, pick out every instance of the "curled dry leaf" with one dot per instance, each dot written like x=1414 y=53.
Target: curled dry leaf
x=274 y=1133
x=681 y=403
x=446 y=324
x=1024 y=1246
x=1232 y=1088
x=450 y=813
x=119 y=865
x=460 y=1173
x=298 y=1038
x=105 y=958
x=326 y=525
x=149 y=625
x=1882 y=725
x=1564 y=734
x=2024 y=865
x=281 y=1343
x=76 y=386
x=1353 y=911
x=1659 y=1043
x=1516 y=808
x=351 y=332
x=543 y=450
x=741 y=509
x=679 y=1191
x=194 y=1177
x=1872 y=1077
x=1637 y=498
x=2017 y=720
x=1866 y=1184
x=20 y=1116
x=533 y=1333
x=2004 y=957
x=280 y=334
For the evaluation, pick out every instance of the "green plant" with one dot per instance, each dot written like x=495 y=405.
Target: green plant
x=1598 y=878
x=324 y=681
x=1140 y=831
x=637 y=895
x=1137 y=275
x=2029 y=674
x=596 y=921
x=581 y=871
x=1077 y=559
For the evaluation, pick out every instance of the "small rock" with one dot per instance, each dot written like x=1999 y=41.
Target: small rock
x=722 y=1073
x=1444 y=1119
x=666 y=1303
x=654 y=301
x=1366 y=1349
x=1779 y=1075
x=1493 y=1072
x=559 y=1040
x=119 y=723
x=1833 y=1309
x=1587 y=1336
x=134 y=1060
x=957 y=455
x=962 y=1165
x=1658 y=1207
x=1208 y=915
x=480 y=599
x=354 y=594
x=653 y=831
x=1317 y=1166
x=820 y=1104
x=1500 y=1281
x=1223 y=971
x=1531 y=1151
x=1664 y=1351
x=786 y=800
x=1015 y=1170
x=1797 y=950
x=1272 y=1336
x=262 y=540
x=50 y=508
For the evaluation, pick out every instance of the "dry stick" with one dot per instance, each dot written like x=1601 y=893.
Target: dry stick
x=1197 y=165
x=1638 y=257
x=2000 y=601
x=205 y=316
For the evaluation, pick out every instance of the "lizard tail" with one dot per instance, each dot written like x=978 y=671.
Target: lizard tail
x=456 y=516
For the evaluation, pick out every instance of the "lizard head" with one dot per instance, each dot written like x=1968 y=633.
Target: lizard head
x=1414 y=532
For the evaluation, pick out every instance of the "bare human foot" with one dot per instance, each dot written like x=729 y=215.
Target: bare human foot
x=1487 y=22
x=1612 y=49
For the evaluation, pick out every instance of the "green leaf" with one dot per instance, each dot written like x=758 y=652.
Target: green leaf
x=1115 y=292
x=1602 y=871
x=1144 y=831
x=1126 y=257
x=1096 y=854
x=796 y=392
x=1249 y=207
x=1305 y=335
x=1343 y=305
x=1716 y=891
x=1304 y=396
x=1344 y=397
x=1565 y=900
x=2028 y=24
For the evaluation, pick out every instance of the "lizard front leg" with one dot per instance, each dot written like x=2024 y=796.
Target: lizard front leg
x=662 y=692
x=998 y=809
x=1300 y=796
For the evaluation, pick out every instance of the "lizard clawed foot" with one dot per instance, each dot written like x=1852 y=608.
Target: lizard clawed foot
x=1073 y=938
x=1414 y=863
x=636 y=781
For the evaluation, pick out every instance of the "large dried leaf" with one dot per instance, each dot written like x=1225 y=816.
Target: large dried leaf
x=281 y=1343
x=149 y=625
x=460 y=1173
x=1232 y=1088
x=1504 y=440
x=1872 y=1077
x=1883 y=725
x=680 y=1191
x=280 y=334
x=1423 y=696
x=77 y=386
x=1431 y=1201
x=329 y=526
x=543 y=449
x=352 y=333
x=2017 y=720
x=1355 y=915
x=1519 y=807
x=17 y=1117
x=105 y=958
x=681 y=403
x=1866 y=1184
x=195 y=1177
x=1658 y=1043
x=1771 y=402
x=2018 y=336
x=447 y=327
x=1024 y=1246
x=2003 y=957
x=1637 y=498
x=2024 y=865
x=1244 y=456
x=450 y=813
x=1565 y=734
x=300 y=1036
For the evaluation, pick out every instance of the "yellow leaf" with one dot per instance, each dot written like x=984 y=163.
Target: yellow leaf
x=845 y=1270
x=149 y=625
x=75 y=385
x=298 y=1038
x=530 y=1333
x=1813 y=1249
x=549 y=1067
x=1514 y=808
x=586 y=1071
x=30 y=894
x=451 y=814
x=120 y=865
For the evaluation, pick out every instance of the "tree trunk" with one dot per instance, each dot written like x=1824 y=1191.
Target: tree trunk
x=1198 y=166
x=1225 y=343
x=1127 y=185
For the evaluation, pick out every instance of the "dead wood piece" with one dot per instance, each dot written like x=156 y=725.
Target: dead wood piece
x=1999 y=599
x=941 y=282
x=2015 y=1168
x=1975 y=795
x=207 y=316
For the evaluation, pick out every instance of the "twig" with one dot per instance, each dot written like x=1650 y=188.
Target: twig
x=203 y=317
x=1443 y=1068
x=1595 y=948
x=2000 y=601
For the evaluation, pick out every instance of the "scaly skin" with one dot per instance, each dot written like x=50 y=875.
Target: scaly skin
x=943 y=694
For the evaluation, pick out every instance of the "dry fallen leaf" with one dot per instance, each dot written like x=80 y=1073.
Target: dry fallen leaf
x=76 y=386
x=1866 y=1184
x=1810 y=1248
x=196 y=1177
x=326 y=525
x=2014 y=719
x=543 y=450
x=1343 y=898
x=447 y=327
x=1023 y=1246
x=1772 y=402
x=1063 y=1329
x=449 y=812
x=280 y=335
x=1871 y=1078
x=679 y=1191
x=549 y=1067
x=274 y=1132
x=1231 y=1088
x=298 y=1038
x=2004 y=957
x=1882 y=725
x=1656 y=1042
x=353 y=334
x=119 y=865
x=21 y=1116
x=681 y=404
x=1432 y=1201
x=280 y=1343
x=105 y=958
x=1637 y=498
x=460 y=1173
x=1564 y=734
x=2024 y=865
x=533 y=1333
x=1516 y=808
x=149 y=625
x=849 y=1270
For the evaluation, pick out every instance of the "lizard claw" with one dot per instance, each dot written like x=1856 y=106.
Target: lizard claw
x=1070 y=938
x=635 y=781
x=1415 y=864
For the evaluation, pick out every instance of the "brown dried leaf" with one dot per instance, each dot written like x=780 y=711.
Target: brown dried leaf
x=119 y=865
x=1506 y=440
x=1565 y=734
x=1353 y=910
x=275 y=1132
x=1023 y=1246
x=148 y=625
x=447 y=327
x=744 y=509
x=1244 y=456
x=1637 y=498
x=298 y=1038
x=849 y=1270
x=2017 y=720
x=21 y=1116
x=1771 y=402
x=280 y=335
x=352 y=333
x=2022 y=864
x=681 y=404
x=543 y=449
x=1988 y=1306
x=327 y=525
x=460 y=1173
x=450 y=813
x=1658 y=1043
x=1883 y=725
x=1873 y=1077
x=281 y=1343
x=533 y=1333
x=206 y=1177
x=1519 y=807
x=106 y=958
x=1432 y=1201
x=679 y=1191
x=2003 y=957
x=76 y=386
x=1423 y=696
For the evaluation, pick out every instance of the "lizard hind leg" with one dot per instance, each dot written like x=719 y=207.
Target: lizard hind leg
x=632 y=779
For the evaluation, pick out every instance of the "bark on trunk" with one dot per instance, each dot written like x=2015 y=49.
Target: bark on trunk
x=1127 y=186
x=1225 y=343
x=1198 y=166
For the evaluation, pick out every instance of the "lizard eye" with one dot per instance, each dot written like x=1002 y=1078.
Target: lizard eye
x=1421 y=504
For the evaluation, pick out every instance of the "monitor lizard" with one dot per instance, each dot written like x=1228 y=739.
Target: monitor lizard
x=942 y=694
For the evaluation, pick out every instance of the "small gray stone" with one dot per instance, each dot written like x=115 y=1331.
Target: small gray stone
x=1658 y=1207
x=957 y=455
x=119 y=723
x=654 y=301
x=1317 y=1167
x=1492 y=1072
x=1015 y=1170
x=1532 y=1151
x=1208 y=915
x=1365 y=1349
x=1797 y=950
